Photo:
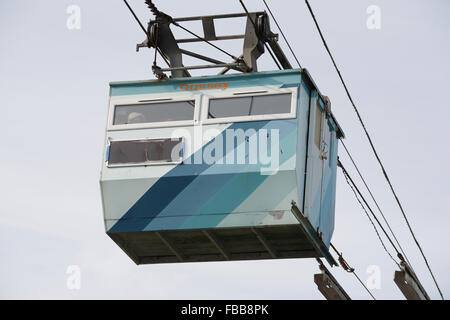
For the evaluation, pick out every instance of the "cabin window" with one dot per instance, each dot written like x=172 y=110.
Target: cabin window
x=154 y=151
x=318 y=126
x=250 y=106
x=154 y=112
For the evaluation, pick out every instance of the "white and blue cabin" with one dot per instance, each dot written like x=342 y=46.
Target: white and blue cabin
x=226 y=167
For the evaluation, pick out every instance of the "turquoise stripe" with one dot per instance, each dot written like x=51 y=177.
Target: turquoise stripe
x=239 y=188
x=169 y=187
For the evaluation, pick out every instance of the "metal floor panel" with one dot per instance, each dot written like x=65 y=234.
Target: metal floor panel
x=220 y=244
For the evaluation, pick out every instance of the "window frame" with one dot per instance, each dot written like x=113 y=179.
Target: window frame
x=249 y=92
x=149 y=99
x=146 y=163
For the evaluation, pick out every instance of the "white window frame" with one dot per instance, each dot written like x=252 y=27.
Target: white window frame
x=154 y=98
x=146 y=163
x=247 y=92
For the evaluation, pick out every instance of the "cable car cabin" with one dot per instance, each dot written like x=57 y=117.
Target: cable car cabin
x=229 y=167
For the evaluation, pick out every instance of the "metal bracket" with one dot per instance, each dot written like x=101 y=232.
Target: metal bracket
x=327 y=107
x=166 y=43
x=263 y=24
x=328 y=285
x=256 y=34
x=253 y=47
x=408 y=283
x=312 y=236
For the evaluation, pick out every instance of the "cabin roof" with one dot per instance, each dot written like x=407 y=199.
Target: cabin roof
x=304 y=73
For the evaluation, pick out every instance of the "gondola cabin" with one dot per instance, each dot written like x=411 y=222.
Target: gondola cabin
x=228 y=167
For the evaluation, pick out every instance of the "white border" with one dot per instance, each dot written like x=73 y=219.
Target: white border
x=118 y=101
x=245 y=92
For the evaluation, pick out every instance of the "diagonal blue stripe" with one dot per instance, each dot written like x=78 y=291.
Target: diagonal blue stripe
x=162 y=193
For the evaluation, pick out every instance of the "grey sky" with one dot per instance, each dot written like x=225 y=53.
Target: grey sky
x=54 y=90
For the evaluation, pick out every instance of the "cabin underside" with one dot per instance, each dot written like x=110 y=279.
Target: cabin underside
x=219 y=244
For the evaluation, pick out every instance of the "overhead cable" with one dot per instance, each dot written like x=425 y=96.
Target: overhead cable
x=373 y=149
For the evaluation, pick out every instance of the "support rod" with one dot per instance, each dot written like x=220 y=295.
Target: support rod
x=225 y=70
x=265 y=243
x=217 y=16
x=170 y=245
x=209 y=66
x=201 y=57
x=232 y=37
x=217 y=243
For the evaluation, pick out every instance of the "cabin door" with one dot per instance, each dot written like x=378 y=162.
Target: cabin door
x=317 y=161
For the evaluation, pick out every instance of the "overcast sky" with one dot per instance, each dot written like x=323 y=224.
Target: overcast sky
x=54 y=91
